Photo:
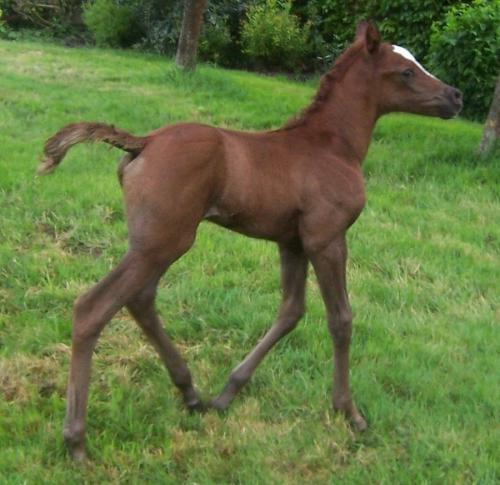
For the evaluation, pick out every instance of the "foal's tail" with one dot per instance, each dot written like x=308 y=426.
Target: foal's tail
x=57 y=145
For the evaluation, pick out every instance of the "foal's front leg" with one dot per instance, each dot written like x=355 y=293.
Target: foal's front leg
x=293 y=279
x=330 y=267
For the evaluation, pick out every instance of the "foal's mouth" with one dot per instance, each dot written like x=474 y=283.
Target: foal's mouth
x=451 y=109
x=445 y=106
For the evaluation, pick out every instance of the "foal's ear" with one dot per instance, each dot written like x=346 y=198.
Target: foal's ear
x=368 y=32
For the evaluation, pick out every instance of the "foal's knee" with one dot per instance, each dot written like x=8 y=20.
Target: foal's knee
x=85 y=327
x=340 y=326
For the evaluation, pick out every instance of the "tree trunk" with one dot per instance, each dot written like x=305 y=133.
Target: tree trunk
x=492 y=125
x=190 y=33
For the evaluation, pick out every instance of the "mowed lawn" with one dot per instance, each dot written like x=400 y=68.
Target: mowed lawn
x=423 y=277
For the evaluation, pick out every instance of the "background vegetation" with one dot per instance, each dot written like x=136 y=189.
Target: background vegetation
x=472 y=33
x=423 y=273
x=460 y=38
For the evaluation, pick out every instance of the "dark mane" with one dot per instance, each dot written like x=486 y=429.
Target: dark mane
x=336 y=73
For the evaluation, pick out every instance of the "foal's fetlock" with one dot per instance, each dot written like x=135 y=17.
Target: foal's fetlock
x=235 y=383
x=342 y=403
x=224 y=399
x=220 y=403
x=75 y=442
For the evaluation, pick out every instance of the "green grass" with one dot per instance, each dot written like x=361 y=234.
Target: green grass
x=424 y=286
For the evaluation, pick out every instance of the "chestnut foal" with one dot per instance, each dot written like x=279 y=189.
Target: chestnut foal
x=300 y=186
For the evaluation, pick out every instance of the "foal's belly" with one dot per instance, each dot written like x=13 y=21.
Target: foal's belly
x=274 y=225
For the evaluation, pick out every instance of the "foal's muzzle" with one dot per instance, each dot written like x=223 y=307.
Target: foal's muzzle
x=452 y=102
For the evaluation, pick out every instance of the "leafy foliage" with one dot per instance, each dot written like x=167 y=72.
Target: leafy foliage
x=109 y=22
x=3 y=26
x=159 y=24
x=465 y=50
x=273 y=38
x=221 y=35
x=406 y=22
x=215 y=44
x=58 y=16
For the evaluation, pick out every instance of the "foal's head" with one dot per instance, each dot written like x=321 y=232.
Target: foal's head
x=400 y=82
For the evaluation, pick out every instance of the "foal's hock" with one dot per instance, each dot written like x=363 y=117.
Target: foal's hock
x=300 y=186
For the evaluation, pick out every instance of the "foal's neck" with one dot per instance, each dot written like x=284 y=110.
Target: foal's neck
x=347 y=117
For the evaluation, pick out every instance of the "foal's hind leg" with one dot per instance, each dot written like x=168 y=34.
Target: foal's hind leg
x=293 y=279
x=91 y=313
x=143 y=310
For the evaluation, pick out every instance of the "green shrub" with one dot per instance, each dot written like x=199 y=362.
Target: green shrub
x=465 y=50
x=111 y=24
x=272 y=37
x=3 y=26
x=408 y=22
x=57 y=17
x=159 y=23
x=220 y=38
x=404 y=22
x=215 y=44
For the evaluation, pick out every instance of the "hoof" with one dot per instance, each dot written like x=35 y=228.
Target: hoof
x=352 y=414
x=78 y=454
x=358 y=423
x=196 y=406
x=80 y=457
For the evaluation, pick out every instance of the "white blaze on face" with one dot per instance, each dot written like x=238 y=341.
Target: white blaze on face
x=408 y=55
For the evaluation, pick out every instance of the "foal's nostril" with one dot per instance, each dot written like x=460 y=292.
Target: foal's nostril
x=457 y=95
x=454 y=95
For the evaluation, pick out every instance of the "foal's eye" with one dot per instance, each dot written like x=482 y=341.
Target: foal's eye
x=408 y=73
